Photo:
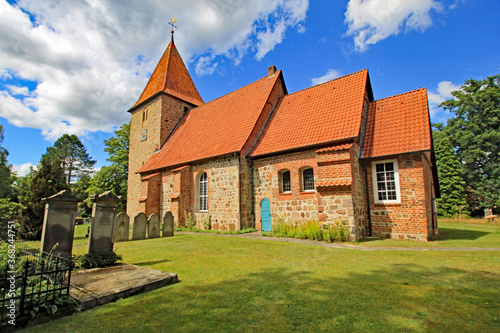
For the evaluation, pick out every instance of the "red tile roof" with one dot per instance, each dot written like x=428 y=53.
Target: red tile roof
x=398 y=124
x=337 y=182
x=334 y=148
x=219 y=127
x=171 y=76
x=324 y=113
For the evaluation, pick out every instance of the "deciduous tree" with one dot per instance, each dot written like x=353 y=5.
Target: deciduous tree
x=474 y=132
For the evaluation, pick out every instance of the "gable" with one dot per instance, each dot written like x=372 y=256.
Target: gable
x=325 y=113
x=398 y=124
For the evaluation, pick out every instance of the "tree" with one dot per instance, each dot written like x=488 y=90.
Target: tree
x=114 y=177
x=6 y=177
x=475 y=136
x=73 y=155
x=451 y=176
x=48 y=180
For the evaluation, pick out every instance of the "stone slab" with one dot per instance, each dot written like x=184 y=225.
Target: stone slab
x=100 y=286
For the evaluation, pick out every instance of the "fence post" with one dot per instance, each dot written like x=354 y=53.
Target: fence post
x=23 y=288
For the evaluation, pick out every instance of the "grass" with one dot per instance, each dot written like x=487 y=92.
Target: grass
x=452 y=233
x=242 y=285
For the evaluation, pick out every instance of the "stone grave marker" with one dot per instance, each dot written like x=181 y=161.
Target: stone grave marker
x=122 y=227
x=103 y=219
x=139 y=228
x=488 y=212
x=153 y=226
x=168 y=224
x=59 y=224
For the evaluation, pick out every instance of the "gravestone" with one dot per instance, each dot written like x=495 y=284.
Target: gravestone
x=122 y=227
x=488 y=212
x=139 y=228
x=168 y=224
x=153 y=226
x=103 y=220
x=59 y=224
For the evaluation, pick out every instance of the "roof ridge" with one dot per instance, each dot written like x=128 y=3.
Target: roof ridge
x=399 y=95
x=318 y=85
x=234 y=91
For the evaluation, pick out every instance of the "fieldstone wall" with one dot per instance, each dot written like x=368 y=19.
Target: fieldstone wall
x=223 y=193
x=336 y=177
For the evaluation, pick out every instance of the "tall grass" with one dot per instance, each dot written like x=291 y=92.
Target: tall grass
x=313 y=230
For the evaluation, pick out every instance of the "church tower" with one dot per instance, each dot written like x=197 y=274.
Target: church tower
x=169 y=94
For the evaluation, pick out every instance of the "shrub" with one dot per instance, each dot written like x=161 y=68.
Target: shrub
x=190 y=220
x=95 y=260
x=335 y=232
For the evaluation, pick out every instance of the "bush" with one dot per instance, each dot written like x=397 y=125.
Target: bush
x=95 y=260
x=335 y=232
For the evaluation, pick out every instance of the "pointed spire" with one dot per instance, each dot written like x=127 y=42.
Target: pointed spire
x=171 y=77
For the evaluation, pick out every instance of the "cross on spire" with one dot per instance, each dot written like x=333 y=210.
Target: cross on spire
x=173 y=26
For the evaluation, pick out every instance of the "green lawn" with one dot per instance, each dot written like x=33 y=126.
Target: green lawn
x=451 y=234
x=241 y=285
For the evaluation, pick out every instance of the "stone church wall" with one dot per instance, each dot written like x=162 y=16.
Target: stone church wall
x=327 y=204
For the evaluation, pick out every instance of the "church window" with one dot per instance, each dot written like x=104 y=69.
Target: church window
x=386 y=182
x=285 y=182
x=203 y=192
x=307 y=179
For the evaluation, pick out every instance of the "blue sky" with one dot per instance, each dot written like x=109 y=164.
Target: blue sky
x=77 y=66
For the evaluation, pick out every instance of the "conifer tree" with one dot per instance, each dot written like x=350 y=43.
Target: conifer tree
x=450 y=173
x=48 y=180
x=73 y=155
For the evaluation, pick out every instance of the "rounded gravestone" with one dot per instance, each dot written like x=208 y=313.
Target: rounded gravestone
x=153 y=226
x=139 y=228
x=168 y=224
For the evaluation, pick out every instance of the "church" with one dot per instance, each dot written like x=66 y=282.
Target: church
x=329 y=153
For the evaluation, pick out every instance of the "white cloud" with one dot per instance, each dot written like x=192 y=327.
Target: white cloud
x=205 y=66
x=17 y=90
x=330 y=75
x=90 y=59
x=370 y=21
x=443 y=93
x=23 y=169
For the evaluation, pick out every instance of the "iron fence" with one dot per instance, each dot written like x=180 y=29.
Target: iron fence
x=36 y=279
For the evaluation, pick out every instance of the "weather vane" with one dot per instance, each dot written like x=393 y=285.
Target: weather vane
x=173 y=26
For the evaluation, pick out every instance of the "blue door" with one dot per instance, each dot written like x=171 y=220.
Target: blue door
x=265 y=215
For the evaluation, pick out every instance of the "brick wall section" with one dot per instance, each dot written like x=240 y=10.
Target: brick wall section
x=245 y=193
x=326 y=204
x=358 y=193
x=163 y=114
x=407 y=220
x=150 y=194
x=430 y=195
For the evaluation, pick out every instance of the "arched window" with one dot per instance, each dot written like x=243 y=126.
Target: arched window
x=203 y=192
x=307 y=179
x=285 y=182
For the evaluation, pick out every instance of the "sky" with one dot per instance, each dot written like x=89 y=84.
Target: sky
x=77 y=66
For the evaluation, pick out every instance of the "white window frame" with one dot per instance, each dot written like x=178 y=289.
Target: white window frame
x=396 y=180
x=202 y=203
x=281 y=181
x=303 y=179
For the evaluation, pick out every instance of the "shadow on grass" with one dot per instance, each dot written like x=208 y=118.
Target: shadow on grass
x=152 y=262
x=463 y=234
x=397 y=298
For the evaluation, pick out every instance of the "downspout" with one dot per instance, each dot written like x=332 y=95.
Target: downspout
x=368 y=201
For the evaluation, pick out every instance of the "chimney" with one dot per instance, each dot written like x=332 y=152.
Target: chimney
x=272 y=70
